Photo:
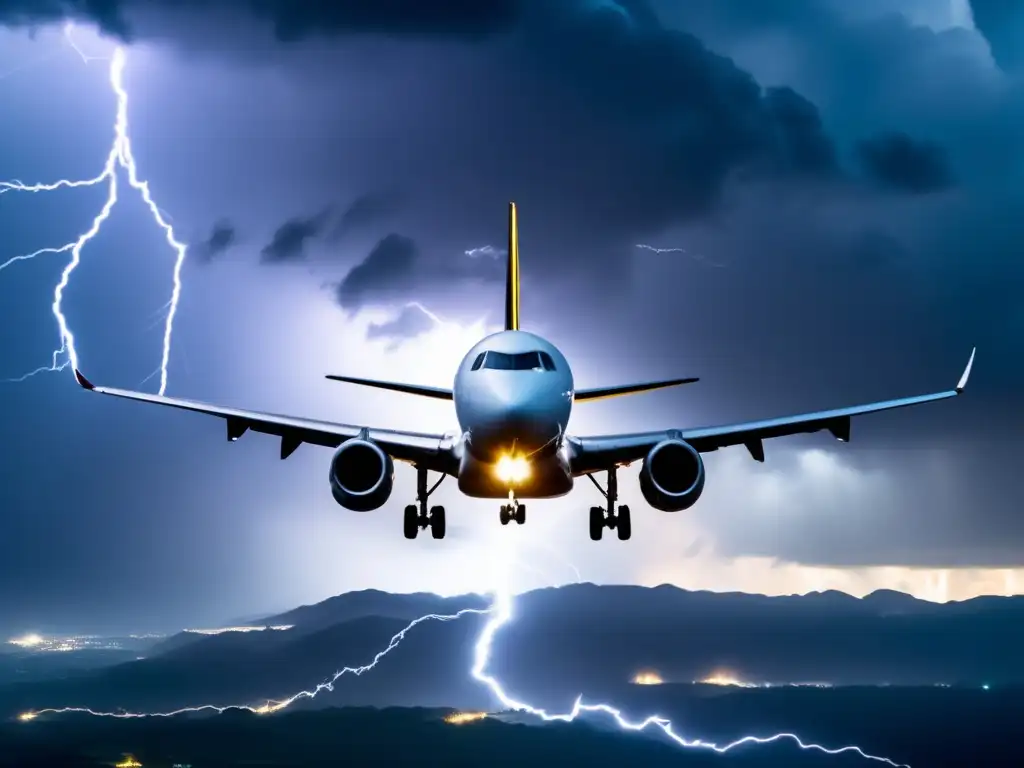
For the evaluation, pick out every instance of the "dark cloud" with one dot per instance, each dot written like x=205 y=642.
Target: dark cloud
x=396 y=270
x=365 y=210
x=388 y=267
x=898 y=161
x=221 y=238
x=1002 y=24
x=291 y=20
x=575 y=78
x=801 y=142
x=290 y=239
x=411 y=322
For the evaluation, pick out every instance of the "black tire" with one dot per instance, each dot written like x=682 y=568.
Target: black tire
x=596 y=523
x=437 y=522
x=503 y=514
x=623 y=524
x=411 y=522
x=520 y=514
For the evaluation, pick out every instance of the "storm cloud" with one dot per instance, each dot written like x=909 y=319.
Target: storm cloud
x=363 y=212
x=586 y=76
x=222 y=236
x=898 y=161
x=411 y=322
x=291 y=21
x=291 y=238
x=396 y=270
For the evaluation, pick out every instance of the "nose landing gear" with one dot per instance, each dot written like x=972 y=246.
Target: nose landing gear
x=514 y=510
x=614 y=518
x=416 y=515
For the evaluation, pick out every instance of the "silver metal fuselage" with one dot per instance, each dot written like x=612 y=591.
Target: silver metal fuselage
x=514 y=414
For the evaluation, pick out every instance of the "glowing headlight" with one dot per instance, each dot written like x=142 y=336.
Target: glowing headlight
x=512 y=469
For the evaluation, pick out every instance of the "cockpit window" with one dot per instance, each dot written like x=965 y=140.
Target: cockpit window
x=478 y=362
x=524 y=361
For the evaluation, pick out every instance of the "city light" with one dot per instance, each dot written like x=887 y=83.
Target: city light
x=460 y=718
x=647 y=678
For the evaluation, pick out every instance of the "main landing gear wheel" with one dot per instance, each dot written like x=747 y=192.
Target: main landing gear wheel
x=416 y=516
x=437 y=522
x=616 y=518
x=512 y=511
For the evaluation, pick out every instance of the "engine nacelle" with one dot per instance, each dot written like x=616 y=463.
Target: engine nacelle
x=672 y=477
x=362 y=475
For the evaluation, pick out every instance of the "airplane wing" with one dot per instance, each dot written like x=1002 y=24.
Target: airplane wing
x=583 y=395
x=429 y=451
x=594 y=454
x=409 y=389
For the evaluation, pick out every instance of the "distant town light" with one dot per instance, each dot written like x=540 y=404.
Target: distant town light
x=726 y=677
x=460 y=718
x=221 y=630
x=27 y=641
x=647 y=678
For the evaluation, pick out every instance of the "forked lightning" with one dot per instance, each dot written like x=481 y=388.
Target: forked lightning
x=119 y=157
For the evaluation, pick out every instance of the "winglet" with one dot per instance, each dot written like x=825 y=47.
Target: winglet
x=512 y=277
x=962 y=384
x=83 y=382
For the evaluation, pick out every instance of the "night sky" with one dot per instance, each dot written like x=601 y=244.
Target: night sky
x=830 y=193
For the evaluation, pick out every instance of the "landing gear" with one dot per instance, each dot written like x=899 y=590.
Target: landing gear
x=416 y=516
x=512 y=511
x=615 y=518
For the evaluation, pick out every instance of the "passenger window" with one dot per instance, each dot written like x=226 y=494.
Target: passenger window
x=478 y=362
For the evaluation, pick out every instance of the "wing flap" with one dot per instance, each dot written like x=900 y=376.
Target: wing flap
x=600 y=393
x=428 y=450
x=410 y=389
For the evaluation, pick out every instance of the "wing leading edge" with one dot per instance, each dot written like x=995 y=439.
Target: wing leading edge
x=593 y=454
x=585 y=395
x=410 y=389
x=427 y=450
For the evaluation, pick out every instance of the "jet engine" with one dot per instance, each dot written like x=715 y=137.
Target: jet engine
x=362 y=475
x=672 y=477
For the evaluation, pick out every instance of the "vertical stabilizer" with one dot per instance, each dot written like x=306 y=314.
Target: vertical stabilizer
x=512 y=278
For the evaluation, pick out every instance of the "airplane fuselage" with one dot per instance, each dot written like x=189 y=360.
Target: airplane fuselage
x=513 y=395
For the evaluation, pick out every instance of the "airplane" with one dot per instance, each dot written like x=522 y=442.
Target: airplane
x=513 y=394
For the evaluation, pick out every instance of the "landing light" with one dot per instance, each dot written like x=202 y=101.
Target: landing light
x=512 y=469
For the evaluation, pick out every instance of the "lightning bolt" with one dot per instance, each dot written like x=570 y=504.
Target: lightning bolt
x=501 y=614
x=485 y=250
x=270 y=706
x=695 y=256
x=119 y=157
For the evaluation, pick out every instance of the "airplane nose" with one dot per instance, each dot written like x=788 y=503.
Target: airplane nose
x=517 y=395
x=520 y=413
